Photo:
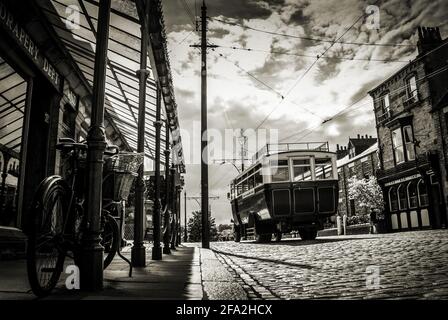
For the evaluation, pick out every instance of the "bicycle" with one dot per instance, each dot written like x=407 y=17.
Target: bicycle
x=57 y=214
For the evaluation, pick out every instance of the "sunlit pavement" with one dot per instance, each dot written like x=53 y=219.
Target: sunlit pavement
x=404 y=265
x=187 y=273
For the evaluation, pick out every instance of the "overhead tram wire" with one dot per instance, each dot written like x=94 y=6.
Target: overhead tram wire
x=251 y=75
x=311 y=56
x=347 y=109
x=312 y=38
x=189 y=13
x=308 y=69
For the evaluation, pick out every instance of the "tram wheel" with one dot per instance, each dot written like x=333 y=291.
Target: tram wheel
x=308 y=234
x=278 y=236
x=263 y=238
x=236 y=234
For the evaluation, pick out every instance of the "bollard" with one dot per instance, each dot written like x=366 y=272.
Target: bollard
x=339 y=225
x=344 y=223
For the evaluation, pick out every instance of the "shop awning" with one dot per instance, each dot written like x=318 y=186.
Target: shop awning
x=75 y=24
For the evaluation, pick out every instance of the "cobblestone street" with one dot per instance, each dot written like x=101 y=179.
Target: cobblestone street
x=410 y=265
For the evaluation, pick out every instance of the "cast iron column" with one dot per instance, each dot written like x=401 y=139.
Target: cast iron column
x=185 y=217
x=179 y=225
x=166 y=218
x=156 y=249
x=204 y=135
x=91 y=268
x=174 y=209
x=138 y=254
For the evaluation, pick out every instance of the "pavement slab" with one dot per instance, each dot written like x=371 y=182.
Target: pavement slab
x=188 y=273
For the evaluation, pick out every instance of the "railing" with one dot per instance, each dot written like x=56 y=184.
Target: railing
x=281 y=147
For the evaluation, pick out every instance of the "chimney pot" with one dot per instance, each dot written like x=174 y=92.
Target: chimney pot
x=358 y=136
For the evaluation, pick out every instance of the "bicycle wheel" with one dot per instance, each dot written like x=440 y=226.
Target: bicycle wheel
x=110 y=239
x=45 y=251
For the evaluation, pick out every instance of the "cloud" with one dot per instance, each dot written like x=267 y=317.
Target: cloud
x=236 y=100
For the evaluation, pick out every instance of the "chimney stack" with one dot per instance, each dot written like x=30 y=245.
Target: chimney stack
x=428 y=39
x=358 y=136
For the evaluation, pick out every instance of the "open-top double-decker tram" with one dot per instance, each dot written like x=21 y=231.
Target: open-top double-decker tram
x=289 y=187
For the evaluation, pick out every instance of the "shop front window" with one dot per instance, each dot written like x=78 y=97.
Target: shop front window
x=402 y=199
x=393 y=199
x=412 y=195
x=13 y=92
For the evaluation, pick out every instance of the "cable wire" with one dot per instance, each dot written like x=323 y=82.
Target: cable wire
x=312 y=38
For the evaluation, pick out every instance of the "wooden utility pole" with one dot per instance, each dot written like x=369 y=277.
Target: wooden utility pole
x=204 y=135
x=243 y=148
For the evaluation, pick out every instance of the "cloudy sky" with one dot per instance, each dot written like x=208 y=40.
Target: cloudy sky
x=244 y=87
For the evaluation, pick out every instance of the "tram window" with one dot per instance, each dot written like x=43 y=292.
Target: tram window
x=239 y=189
x=280 y=170
x=251 y=182
x=323 y=168
x=301 y=169
x=245 y=183
x=258 y=178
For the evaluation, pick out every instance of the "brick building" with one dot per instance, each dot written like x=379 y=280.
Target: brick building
x=358 y=159
x=411 y=112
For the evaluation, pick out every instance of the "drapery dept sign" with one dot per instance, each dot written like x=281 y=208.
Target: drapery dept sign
x=10 y=24
x=222 y=143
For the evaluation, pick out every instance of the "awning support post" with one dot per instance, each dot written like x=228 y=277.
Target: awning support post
x=167 y=218
x=156 y=249
x=91 y=262
x=138 y=254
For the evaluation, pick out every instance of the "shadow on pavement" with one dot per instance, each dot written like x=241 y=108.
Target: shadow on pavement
x=300 y=242
x=289 y=264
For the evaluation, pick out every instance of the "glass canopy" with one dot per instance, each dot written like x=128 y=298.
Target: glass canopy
x=75 y=23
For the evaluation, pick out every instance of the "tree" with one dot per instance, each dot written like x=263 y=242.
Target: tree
x=194 y=228
x=367 y=192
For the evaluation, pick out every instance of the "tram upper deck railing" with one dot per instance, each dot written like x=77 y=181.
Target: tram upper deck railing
x=297 y=146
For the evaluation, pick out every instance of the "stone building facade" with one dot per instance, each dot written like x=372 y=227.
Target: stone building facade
x=360 y=160
x=411 y=120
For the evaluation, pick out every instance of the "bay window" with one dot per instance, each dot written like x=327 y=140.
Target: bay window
x=409 y=143
x=397 y=144
x=411 y=89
